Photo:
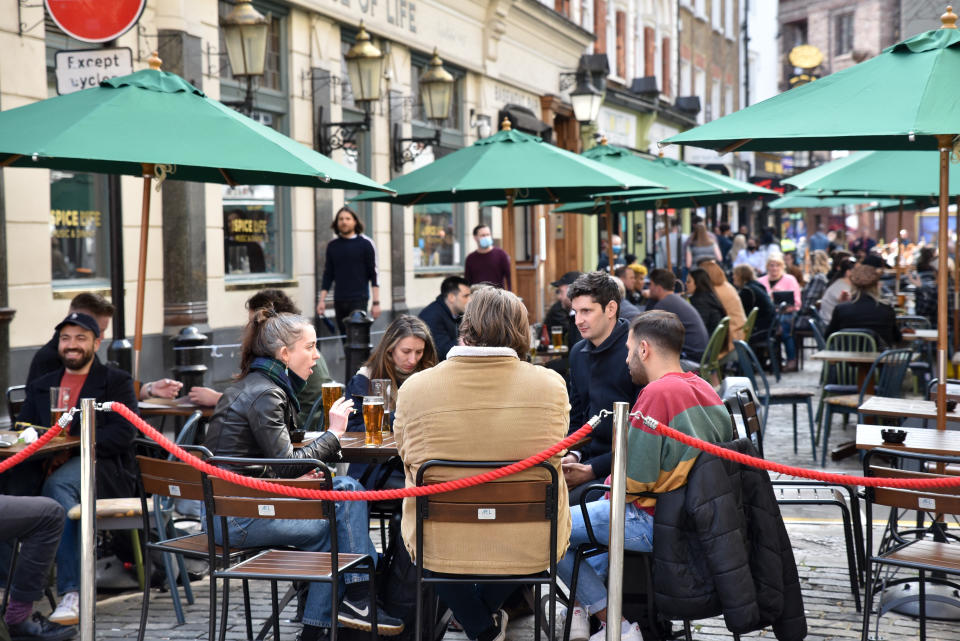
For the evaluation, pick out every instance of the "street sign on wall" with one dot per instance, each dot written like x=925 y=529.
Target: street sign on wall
x=95 y=20
x=84 y=68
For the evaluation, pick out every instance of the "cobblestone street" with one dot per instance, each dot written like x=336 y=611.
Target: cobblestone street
x=816 y=534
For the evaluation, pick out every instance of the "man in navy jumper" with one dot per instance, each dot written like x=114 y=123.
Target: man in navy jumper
x=351 y=264
x=599 y=376
x=442 y=316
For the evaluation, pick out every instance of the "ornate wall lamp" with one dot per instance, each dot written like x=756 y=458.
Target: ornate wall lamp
x=436 y=94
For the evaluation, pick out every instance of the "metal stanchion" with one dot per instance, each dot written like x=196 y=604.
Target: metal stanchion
x=618 y=492
x=88 y=531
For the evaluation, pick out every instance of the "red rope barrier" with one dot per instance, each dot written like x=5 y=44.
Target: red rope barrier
x=343 y=495
x=28 y=451
x=770 y=466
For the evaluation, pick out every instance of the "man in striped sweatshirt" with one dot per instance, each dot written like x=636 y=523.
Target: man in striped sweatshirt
x=685 y=402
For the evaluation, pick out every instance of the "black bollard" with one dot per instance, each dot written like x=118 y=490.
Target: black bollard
x=357 y=346
x=189 y=367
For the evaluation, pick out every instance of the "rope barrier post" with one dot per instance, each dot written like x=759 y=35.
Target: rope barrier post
x=618 y=492
x=88 y=531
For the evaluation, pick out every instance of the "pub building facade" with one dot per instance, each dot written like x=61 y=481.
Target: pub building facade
x=212 y=246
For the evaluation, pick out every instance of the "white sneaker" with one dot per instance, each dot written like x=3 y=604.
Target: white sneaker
x=633 y=634
x=68 y=610
x=599 y=635
x=579 y=624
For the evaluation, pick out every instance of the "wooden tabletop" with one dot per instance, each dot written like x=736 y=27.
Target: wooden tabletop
x=182 y=406
x=57 y=444
x=837 y=356
x=929 y=335
x=903 y=408
x=353 y=449
x=919 y=439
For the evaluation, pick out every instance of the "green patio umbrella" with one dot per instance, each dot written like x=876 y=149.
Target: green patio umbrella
x=805 y=200
x=155 y=124
x=508 y=165
x=906 y=98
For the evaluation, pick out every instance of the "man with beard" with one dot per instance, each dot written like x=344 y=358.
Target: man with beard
x=682 y=400
x=351 y=263
x=85 y=377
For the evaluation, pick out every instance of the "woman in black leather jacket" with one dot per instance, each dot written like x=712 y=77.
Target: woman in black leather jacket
x=253 y=419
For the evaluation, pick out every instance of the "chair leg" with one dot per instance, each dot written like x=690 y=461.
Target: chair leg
x=687 y=633
x=923 y=606
x=851 y=555
x=224 y=605
x=185 y=579
x=794 y=408
x=145 y=603
x=138 y=557
x=536 y=615
x=372 y=583
x=868 y=589
x=827 y=417
x=248 y=618
x=172 y=584
x=213 y=604
x=275 y=610
x=813 y=439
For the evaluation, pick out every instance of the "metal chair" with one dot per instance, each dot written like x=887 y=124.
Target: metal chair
x=710 y=361
x=749 y=325
x=750 y=367
x=533 y=500
x=922 y=368
x=885 y=375
x=224 y=499
x=842 y=378
x=927 y=552
x=803 y=492
x=16 y=395
x=774 y=341
x=316 y=413
x=817 y=331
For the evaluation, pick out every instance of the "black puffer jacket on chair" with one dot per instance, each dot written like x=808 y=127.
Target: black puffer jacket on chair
x=720 y=547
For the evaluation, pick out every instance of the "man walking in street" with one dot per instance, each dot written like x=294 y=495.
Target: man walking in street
x=442 y=316
x=351 y=263
x=488 y=264
x=681 y=400
x=598 y=374
x=662 y=297
x=85 y=377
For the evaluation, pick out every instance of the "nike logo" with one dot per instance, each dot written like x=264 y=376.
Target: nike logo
x=364 y=612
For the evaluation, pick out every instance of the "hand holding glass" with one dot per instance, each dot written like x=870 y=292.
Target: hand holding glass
x=59 y=403
x=330 y=392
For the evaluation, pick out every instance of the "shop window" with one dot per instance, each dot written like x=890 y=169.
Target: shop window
x=438 y=237
x=256 y=218
x=79 y=203
x=843 y=33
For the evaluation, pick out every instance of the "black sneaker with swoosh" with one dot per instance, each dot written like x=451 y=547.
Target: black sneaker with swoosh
x=356 y=614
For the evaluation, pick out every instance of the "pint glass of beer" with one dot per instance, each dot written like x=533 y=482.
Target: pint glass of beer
x=59 y=403
x=556 y=336
x=330 y=392
x=373 y=419
x=384 y=387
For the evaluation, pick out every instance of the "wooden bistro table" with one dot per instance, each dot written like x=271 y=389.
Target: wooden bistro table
x=550 y=354
x=919 y=439
x=353 y=450
x=56 y=444
x=838 y=356
x=182 y=406
x=903 y=408
x=927 y=335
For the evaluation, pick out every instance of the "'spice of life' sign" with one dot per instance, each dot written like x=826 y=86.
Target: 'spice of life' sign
x=84 y=68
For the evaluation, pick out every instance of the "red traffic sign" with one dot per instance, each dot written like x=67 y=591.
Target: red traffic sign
x=95 y=20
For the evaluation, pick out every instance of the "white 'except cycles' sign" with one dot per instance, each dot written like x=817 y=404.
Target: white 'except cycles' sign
x=84 y=68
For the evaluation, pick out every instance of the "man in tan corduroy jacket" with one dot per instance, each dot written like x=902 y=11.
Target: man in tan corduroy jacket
x=483 y=404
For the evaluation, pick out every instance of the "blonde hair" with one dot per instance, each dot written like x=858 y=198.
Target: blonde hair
x=821 y=262
x=776 y=259
x=496 y=318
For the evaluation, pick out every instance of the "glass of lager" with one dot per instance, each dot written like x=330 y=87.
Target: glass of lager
x=556 y=336
x=330 y=393
x=384 y=387
x=372 y=420
x=59 y=403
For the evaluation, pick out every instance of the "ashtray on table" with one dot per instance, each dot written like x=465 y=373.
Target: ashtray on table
x=894 y=436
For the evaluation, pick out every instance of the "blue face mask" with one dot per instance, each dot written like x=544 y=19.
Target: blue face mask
x=616 y=249
x=485 y=242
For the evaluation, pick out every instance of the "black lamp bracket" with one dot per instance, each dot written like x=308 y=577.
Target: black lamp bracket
x=408 y=149
x=339 y=135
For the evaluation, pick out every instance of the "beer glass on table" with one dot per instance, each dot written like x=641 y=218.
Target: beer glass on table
x=383 y=387
x=556 y=337
x=330 y=392
x=372 y=420
x=59 y=403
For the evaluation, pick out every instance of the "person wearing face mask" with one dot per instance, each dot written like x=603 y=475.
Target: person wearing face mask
x=252 y=420
x=603 y=265
x=488 y=264
x=406 y=348
x=752 y=256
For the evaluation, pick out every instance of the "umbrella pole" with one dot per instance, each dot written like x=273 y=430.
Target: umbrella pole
x=956 y=279
x=141 y=276
x=899 y=246
x=609 y=217
x=666 y=242
x=944 y=142
x=508 y=236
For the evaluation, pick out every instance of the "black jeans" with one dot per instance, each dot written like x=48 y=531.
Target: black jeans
x=473 y=604
x=343 y=308
x=38 y=522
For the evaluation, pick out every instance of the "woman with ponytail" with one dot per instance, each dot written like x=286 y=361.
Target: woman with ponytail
x=253 y=419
